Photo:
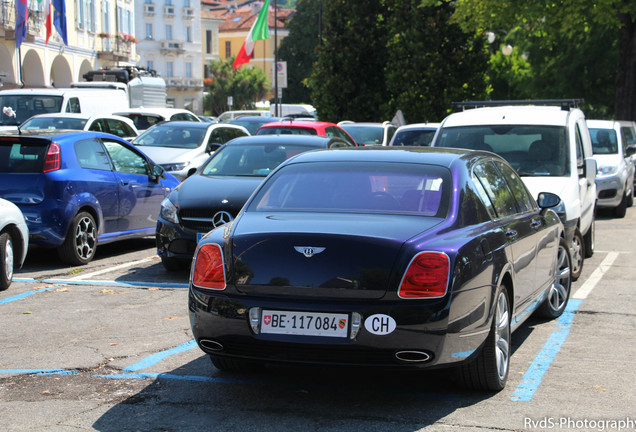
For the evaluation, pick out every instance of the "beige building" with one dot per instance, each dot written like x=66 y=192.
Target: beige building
x=237 y=22
x=99 y=34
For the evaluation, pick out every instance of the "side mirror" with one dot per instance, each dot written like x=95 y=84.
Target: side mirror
x=548 y=200
x=631 y=150
x=212 y=147
x=157 y=172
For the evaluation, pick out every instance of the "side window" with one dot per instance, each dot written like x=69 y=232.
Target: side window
x=519 y=190
x=91 y=154
x=334 y=131
x=627 y=135
x=73 y=105
x=119 y=128
x=496 y=189
x=126 y=160
x=580 y=158
x=98 y=126
x=390 y=133
x=339 y=144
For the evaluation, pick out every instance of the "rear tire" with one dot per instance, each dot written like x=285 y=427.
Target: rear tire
x=577 y=254
x=81 y=240
x=489 y=371
x=559 y=292
x=7 y=261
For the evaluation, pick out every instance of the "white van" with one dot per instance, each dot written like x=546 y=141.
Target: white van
x=17 y=105
x=550 y=148
x=293 y=110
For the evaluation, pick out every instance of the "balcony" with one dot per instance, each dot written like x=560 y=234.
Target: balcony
x=172 y=47
x=114 y=50
x=184 y=84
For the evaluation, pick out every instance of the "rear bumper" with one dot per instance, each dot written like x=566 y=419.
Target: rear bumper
x=221 y=327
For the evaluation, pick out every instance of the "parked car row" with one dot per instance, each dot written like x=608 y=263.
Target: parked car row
x=307 y=247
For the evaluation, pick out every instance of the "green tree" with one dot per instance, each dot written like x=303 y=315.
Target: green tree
x=298 y=49
x=348 y=80
x=244 y=84
x=576 y=48
x=431 y=62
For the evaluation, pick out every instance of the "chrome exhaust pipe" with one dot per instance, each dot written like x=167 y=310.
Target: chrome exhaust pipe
x=412 y=356
x=211 y=345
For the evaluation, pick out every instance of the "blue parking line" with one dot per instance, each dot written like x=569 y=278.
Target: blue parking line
x=156 y=358
x=38 y=371
x=115 y=283
x=26 y=294
x=533 y=376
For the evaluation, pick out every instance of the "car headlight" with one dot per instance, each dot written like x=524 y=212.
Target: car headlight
x=175 y=166
x=606 y=170
x=169 y=211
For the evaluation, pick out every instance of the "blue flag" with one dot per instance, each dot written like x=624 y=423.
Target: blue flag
x=21 y=16
x=59 y=18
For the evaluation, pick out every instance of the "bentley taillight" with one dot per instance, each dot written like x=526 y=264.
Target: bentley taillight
x=209 y=271
x=426 y=276
x=53 y=159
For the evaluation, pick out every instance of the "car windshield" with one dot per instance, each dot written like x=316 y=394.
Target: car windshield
x=366 y=135
x=284 y=130
x=532 y=150
x=362 y=187
x=15 y=109
x=249 y=160
x=414 y=137
x=54 y=123
x=169 y=135
x=604 y=141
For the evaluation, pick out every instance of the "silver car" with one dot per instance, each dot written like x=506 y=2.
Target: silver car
x=615 y=168
x=14 y=241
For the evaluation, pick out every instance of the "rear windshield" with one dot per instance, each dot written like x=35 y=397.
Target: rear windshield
x=15 y=109
x=169 y=135
x=366 y=135
x=604 y=141
x=54 y=123
x=283 y=130
x=250 y=160
x=143 y=121
x=414 y=137
x=532 y=150
x=357 y=187
x=22 y=157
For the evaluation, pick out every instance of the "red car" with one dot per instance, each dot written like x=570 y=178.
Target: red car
x=305 y=127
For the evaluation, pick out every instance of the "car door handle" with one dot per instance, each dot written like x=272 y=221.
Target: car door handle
x=512 y=233
x=536 y=223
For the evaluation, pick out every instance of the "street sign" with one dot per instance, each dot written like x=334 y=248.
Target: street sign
x=281 y=72
x=230 y=101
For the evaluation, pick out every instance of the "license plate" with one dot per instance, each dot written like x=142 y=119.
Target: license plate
x=304 y=323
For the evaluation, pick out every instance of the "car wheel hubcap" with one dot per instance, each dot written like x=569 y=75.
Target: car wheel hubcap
x=502 y=336
x=559 y=292
x=85 y=238
x=8 y=259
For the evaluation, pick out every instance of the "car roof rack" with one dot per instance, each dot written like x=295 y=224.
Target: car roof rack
x=565 y=104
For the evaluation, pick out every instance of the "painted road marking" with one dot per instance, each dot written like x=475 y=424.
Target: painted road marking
x=595 y=277
x=542 y=361
x=26 y=294
x=156 y=358
x=110 y=269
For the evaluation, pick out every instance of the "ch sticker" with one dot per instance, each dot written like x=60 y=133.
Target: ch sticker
x=379 y=324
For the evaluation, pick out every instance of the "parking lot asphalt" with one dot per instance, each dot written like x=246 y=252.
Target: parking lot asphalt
x=108 y=347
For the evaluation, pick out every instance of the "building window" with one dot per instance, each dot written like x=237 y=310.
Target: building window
x=168 y=32
x=150 y=65
x=208 y=41
x=148 y=31
x=228 y=49
x=170 y=69
x=188 y=67
x=188 y=34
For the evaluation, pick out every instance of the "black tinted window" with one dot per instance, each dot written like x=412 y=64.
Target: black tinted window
x=496 y=189
x=22 y=157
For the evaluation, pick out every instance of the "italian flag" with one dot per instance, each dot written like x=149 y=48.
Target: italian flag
x=47 y=20
x=259 y=31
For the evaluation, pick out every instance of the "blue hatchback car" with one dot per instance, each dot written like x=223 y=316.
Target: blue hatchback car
x=80 y=189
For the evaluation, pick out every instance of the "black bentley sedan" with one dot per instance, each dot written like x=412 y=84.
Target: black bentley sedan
x=381 y=256
x=216 y=192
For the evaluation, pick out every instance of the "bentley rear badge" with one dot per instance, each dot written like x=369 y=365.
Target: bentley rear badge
x=309 y=251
